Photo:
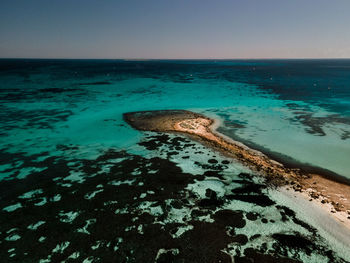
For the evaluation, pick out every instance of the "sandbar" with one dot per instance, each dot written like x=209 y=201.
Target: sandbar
x=331 y=195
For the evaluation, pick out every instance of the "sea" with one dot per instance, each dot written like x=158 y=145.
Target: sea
x=78 y=184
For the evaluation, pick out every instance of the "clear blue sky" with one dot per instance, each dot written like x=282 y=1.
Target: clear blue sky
x=175 y=28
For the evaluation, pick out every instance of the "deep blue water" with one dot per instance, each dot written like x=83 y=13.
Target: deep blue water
x=63 y=141
x=320 y=82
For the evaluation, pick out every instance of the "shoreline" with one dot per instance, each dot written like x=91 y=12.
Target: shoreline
x=288 y=161
x=332 y=195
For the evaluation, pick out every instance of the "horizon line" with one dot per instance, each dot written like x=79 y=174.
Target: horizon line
x=146 y=59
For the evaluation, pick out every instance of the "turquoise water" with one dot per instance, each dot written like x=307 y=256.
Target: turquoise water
x=58 y=116
x=302 y=123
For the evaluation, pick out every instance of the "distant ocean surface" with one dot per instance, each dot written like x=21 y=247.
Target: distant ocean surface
x=61 y=125
x=297 y=108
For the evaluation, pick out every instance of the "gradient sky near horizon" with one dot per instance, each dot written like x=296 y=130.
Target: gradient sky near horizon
x=175 y=29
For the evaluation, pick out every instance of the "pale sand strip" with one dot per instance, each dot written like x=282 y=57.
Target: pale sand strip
x=332 y=196
x=315 y=214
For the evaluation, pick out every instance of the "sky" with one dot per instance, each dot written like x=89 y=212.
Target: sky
x=175 y=29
